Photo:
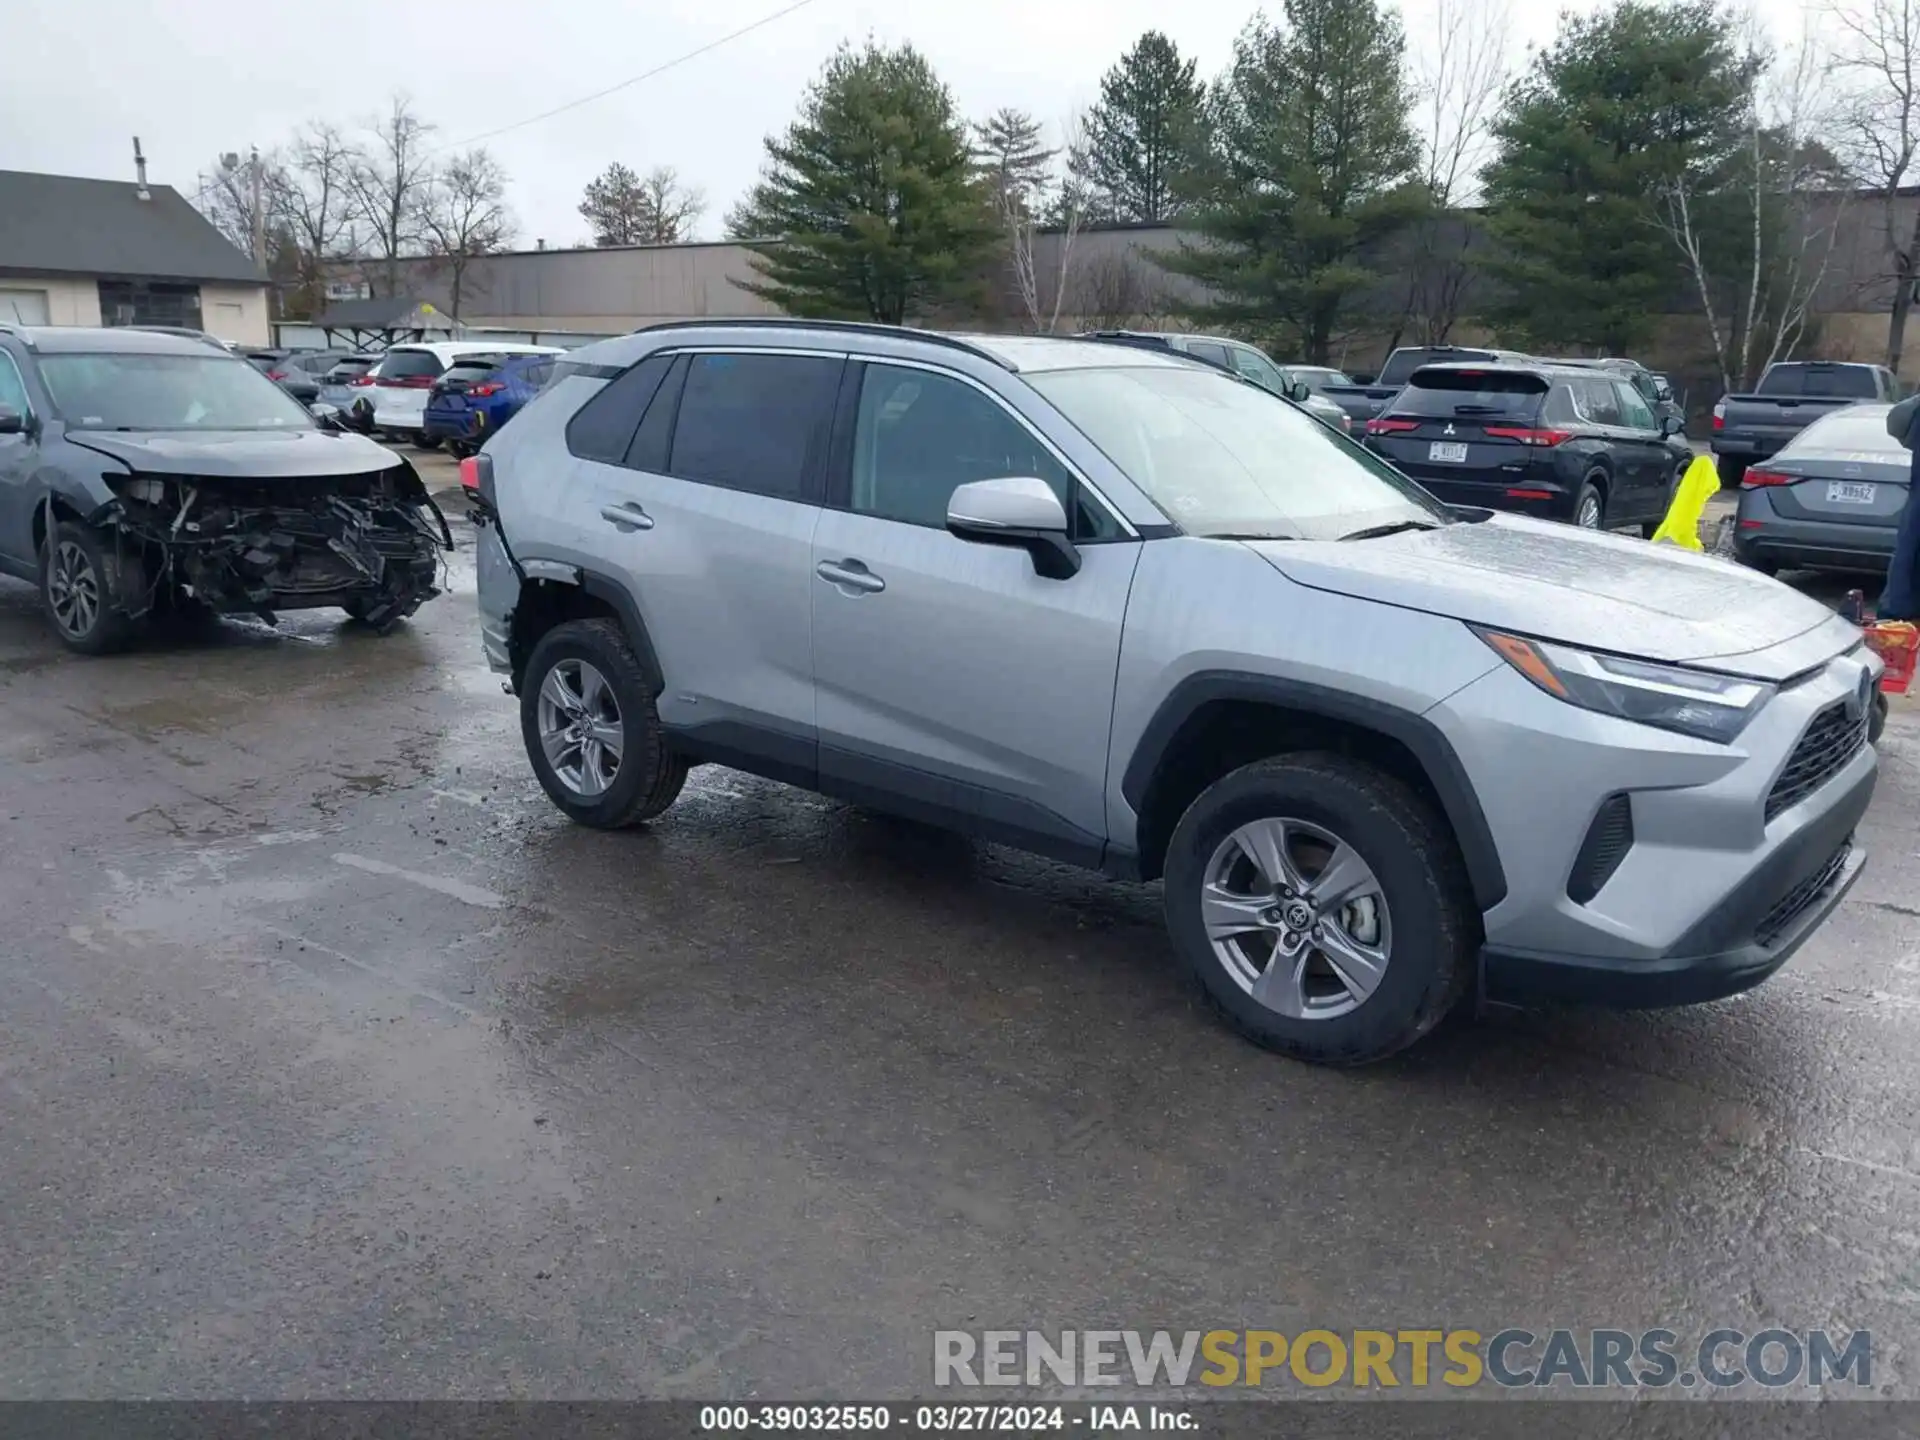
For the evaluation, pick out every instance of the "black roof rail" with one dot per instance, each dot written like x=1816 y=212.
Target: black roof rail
x=854 y=327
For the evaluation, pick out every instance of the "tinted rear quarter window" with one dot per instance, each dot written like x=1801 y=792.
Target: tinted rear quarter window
x=754 y=422
x=604 y=425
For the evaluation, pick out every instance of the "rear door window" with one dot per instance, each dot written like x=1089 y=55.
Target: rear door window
x=1601 y=402
x=755 y=422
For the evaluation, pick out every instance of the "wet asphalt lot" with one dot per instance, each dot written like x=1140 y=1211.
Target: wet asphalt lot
x=333 y=1062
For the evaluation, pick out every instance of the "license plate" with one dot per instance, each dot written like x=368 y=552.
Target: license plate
x=1849 y=492
x=1452 y=453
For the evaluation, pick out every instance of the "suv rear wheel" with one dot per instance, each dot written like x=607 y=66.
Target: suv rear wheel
x=592 y=733
x=1322 y=906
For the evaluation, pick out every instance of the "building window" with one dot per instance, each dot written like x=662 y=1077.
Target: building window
x=149 y=302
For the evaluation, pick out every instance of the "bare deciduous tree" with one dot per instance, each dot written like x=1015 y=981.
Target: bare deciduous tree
x=1787 y=192
x=1021 y=200
x=388 y=186
x=669 y=210
x=1878 y=66
x=312 y=201
x=463 y=215
x=1118 y=290
x=1462 y=71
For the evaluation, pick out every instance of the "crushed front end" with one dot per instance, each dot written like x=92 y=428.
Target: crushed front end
x=370 y=543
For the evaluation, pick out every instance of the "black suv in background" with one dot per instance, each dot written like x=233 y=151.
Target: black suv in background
x=1561 y=442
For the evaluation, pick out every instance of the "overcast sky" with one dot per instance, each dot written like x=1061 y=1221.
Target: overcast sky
x=192 y=78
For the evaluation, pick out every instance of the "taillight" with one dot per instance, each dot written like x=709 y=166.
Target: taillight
x=276 y=374
x=1755 y=479
x=1547 y=438
x=470 y=475
x=1529 y=494
x=485 y=388
x=364 y=380
x=1720 y=416
x=1391 y=427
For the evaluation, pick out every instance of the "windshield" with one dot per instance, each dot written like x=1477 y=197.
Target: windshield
x=1223 y=458
x=167 y=392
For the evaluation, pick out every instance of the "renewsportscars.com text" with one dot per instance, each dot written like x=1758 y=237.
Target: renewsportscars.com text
x=1412 y=1359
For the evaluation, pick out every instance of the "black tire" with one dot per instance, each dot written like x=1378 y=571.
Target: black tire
x=1877 y=717
x=1435 y=923
x=650 y=775
x=1732 y=470
x=426 y=442
x=115 y=579
x=459 y=449
x=1594 y=489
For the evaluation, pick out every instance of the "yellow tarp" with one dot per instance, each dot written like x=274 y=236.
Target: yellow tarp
x=1699 y=485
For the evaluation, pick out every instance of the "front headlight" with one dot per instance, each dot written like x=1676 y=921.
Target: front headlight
x=1691 y=702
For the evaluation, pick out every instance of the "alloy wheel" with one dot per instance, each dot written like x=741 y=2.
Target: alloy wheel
x=1297 y=918
x=580 y=728
x=1589 y=516
x=73 y=590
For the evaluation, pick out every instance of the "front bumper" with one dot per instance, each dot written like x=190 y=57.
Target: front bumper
x=1711 y=893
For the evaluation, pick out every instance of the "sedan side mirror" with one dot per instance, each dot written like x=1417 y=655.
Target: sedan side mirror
x=1299 y=391
x=1020 y=511
x=1672 y=425
x=12 y=422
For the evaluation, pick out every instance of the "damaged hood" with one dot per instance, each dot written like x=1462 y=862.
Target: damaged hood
x=1579 y=587
x=240 y=454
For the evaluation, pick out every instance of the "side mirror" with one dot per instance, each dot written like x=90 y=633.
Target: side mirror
x=1020 y=511
x=12 y=422
x=1299 y=391
x=1672 y=425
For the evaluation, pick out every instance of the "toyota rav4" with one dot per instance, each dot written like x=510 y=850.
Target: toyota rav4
x=1125 y=611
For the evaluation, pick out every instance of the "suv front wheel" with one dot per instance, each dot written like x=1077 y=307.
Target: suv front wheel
x=1322 y=906
x=588 y=718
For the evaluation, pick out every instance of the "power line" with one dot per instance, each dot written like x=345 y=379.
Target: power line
x=636 y=79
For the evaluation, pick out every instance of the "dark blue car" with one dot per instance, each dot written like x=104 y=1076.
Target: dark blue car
x=480 y=393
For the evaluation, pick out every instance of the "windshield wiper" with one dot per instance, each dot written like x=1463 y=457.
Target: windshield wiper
x=1375 y=532
x=1246 y=535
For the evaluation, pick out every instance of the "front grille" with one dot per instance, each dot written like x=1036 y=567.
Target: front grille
x=1831 y=741
x=1795 y=902
x=1608 y=840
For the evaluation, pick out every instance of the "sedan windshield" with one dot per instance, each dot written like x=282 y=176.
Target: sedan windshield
x=167 y=392
x=1226 y=459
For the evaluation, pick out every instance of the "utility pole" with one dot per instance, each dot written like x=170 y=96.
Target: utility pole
x=259 y=211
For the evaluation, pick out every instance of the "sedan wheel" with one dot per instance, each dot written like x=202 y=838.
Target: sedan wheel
x=1297 y=918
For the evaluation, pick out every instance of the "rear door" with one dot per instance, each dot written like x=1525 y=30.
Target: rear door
x=19 y=491
x=1654 y=460
x=700 y=491
x=1467 y=434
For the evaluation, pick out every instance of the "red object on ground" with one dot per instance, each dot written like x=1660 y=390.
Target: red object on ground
x=1898 y=643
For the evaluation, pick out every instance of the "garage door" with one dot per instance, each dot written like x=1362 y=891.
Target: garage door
x=24 y=307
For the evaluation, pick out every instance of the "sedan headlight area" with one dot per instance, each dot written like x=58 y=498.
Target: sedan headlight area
x=1690 y=702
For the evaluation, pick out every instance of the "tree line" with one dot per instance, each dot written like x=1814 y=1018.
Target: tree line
x=1341 y=178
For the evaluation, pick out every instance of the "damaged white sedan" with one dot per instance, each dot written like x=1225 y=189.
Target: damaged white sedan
x=141 y=473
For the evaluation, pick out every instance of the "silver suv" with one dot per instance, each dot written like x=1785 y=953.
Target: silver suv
x=1126 y=611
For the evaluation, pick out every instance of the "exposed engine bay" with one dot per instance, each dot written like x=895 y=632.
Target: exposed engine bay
x=370 y=543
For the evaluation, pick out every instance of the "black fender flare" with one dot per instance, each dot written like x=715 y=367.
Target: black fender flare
x=611 y=592
x=1421 y=737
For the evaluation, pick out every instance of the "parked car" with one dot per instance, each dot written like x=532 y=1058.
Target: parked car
x=397 y=401
x=286 y=368
x=1237 y=357
x=1362 y=402
x=1830 y=499
x=1790 y=396
x=1555 y=441
x=141 y=471
x=1121 y=610
x=479 y=394
x=343 y=382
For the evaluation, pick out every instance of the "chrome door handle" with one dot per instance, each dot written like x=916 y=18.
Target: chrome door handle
x=850 y=575
x=628 y=516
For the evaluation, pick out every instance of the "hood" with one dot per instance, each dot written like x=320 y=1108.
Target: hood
x=239 y=454
x=1603 y=592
